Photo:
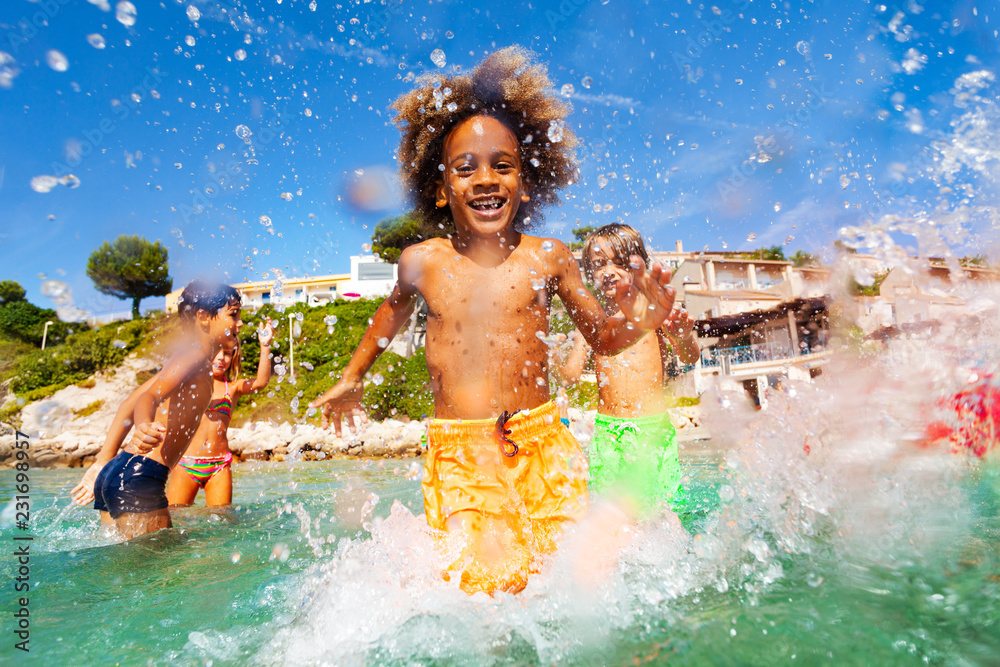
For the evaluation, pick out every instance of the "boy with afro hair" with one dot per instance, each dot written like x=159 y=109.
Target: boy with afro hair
x=487 y=152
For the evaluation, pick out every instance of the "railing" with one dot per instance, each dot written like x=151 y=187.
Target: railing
x=748 y=354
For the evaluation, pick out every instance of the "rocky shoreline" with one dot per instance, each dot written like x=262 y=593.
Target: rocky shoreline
x=68 y=429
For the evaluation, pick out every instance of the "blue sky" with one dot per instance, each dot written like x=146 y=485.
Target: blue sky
x=733 y=125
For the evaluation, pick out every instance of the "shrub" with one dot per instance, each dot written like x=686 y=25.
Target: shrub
x=88 y=410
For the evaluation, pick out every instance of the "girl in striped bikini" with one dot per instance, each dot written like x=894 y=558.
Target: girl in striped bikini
x=207 y=462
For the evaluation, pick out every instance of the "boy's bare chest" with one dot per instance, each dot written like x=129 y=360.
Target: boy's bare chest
x=644 y=356
x=462 y=291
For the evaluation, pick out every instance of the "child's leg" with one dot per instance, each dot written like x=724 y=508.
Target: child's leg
x=181 y=488
x=496 y=555
x=131 y=525
x=218 y=489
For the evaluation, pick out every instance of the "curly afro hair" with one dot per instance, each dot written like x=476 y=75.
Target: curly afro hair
x=509 y=86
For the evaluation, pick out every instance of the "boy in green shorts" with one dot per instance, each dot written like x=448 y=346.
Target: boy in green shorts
x=633 y=455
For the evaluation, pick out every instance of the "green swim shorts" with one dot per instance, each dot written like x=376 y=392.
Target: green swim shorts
x=636 y=457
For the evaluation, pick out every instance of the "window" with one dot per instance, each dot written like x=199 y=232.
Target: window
x=266 y=297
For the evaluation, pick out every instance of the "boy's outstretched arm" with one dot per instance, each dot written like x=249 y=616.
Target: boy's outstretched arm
x=83 y=493
x=646 y=303
x=344 y=398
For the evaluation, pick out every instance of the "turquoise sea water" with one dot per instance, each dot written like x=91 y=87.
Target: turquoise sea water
x=315 y=565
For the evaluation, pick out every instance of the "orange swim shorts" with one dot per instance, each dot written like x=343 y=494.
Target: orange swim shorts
x=511 y=508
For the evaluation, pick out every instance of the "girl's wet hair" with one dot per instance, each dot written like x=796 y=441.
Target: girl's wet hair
x=236 y=365
x=210 y=297
x=623 y=242
x=509 y=86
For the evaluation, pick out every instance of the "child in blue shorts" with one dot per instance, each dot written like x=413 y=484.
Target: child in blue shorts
x=129 y=488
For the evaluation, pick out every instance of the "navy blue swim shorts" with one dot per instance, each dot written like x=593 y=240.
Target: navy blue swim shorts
x=131 y=483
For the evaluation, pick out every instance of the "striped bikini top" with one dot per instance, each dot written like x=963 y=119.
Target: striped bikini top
x=222 y=406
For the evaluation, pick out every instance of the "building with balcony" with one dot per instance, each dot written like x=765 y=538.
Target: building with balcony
x=370 y=277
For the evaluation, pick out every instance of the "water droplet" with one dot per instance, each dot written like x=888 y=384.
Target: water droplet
x=586 y=82
x=193 y=13
x=244 y=133
x=189 y=40
x=777 y=206
x=308 y=112
x=266 y=221
x=377 y=379
x=235 y=558
x=750 y=237
x=726 y=493
x=803 y=48
x=555 y=131
x=602 y=181
x=44 y=183
x=567 y=90
x=240 y=54
x=383 y=342
x=452 y=107
x=438 y=58
x=280 y=552
x=125 y=13
x=120 y=344
x=449 y=34
x=287 y=196
x=547 y=246
x=57 y=60
x=96 y=40
x=845 y=181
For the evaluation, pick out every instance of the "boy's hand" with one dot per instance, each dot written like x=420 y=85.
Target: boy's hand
x=342 y=402
x=679 y=323
x=649 y=299
x=83 y=493
x=146 y=438
x=265 y=333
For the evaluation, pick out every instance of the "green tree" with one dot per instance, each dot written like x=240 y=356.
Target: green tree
x=26 y=321
x=803 y=258
x=10 y=291
x=393 y=235
x=857 y=289
x=581 y=234
x=131 y=268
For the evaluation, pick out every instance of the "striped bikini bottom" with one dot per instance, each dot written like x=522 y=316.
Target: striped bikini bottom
x=204 y=468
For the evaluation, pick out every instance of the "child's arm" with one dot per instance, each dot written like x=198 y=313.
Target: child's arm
x=645 y=304
x=152 y=434
x=344 y=398
x=265 y=334
x=571 y=370
x=679 y=329
x=165 y=384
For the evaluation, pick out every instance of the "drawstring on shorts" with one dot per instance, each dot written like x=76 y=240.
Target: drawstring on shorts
x=504 y=432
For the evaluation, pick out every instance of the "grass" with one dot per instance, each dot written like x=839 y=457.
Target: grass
x=88 y=409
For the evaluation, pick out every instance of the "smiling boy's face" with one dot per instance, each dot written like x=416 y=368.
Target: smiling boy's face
x=482 y=183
